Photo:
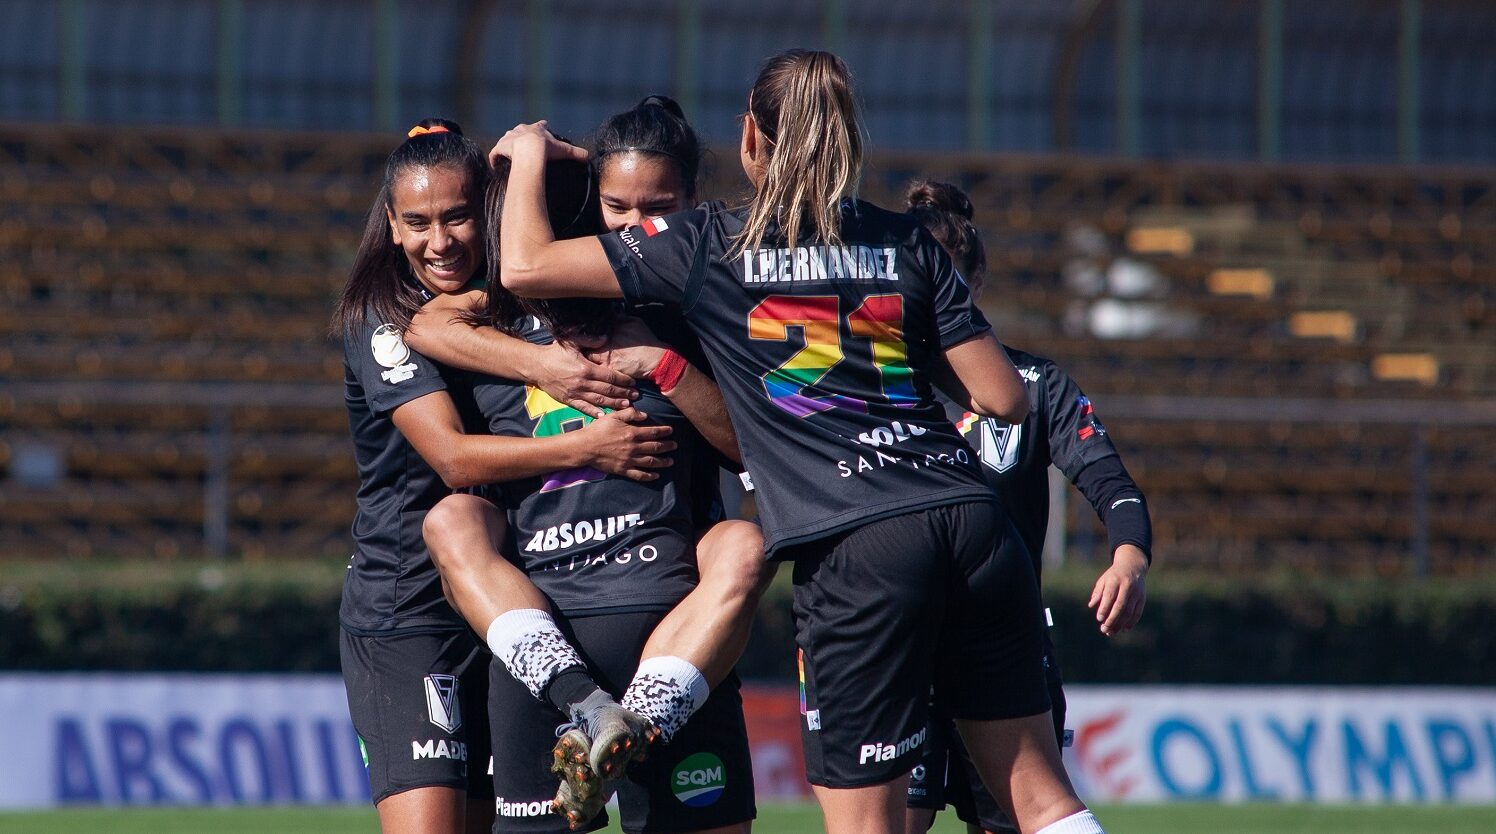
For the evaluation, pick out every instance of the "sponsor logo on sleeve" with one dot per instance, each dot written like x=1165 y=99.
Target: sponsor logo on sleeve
x=655 y=225
x=442 y=704
x=632 y=242
x=699 y=780
x=388 y=346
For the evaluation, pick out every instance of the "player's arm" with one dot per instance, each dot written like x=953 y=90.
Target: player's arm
x=633 y=349
x=533 y=263
x=1081 y=447
x=438 y=331
x=1120 y=592
x=615 y=444
x=982 y=379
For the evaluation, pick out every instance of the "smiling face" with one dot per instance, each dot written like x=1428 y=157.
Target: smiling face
x=634 y=187
x=436 y=223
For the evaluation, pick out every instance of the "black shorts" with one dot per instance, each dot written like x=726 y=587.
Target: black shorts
x=417 y=701
x=944 y=595
x=946 y=775
x=702 y=779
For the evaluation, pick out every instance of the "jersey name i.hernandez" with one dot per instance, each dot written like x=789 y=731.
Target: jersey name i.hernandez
x=1061 y=428
x=391 y=582
x=822 y=353
x=594 y=542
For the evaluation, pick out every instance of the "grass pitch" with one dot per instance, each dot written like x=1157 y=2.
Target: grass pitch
x=801 y=819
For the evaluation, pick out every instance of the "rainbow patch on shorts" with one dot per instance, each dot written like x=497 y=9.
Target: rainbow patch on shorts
x=800 y=663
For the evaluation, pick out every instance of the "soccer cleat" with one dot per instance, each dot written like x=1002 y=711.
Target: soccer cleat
x=569 y=763
x=577 y=811
x=617 y=735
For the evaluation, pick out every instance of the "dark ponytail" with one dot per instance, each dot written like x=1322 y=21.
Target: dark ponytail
x=947 y=212
x=655 y=126
x=571 y=200
x=380 y=283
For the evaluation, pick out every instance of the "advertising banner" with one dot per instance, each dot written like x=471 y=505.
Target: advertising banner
x=1283 y=744
x=177 y=740
x=121 y=739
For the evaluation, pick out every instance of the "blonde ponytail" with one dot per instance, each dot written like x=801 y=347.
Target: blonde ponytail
x=804 y=107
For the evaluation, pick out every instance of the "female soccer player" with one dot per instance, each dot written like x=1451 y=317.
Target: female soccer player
x=646 y=162
x=612 y=557
x=1061 y=429
x=826 y=320
x=409 y=662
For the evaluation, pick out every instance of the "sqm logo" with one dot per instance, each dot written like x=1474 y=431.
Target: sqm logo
x=441 y=702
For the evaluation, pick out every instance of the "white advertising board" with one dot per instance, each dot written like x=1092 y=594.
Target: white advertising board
x=123 y=739
x=1283 y=744
x=177 y=740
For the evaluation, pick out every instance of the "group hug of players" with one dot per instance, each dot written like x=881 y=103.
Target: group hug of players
x=550 y=356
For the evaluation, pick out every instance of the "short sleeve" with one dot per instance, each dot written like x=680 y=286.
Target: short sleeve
x=1076 y=435
x=653 y=261
x=956 y=317
x=390 y=372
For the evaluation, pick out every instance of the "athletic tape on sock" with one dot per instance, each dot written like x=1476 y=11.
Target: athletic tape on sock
x=668 y=691
x=531 y=647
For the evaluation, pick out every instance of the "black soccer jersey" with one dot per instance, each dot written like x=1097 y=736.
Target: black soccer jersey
x=594 y=542
x=823 y=354
x=1061 y=428
x=391 y=582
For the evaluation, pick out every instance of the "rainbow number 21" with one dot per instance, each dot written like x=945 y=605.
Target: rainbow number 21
x=553 y=418
x=879 y=319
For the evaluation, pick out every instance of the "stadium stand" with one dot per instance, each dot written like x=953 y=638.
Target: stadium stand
x=169 y=385
x=1298 y=360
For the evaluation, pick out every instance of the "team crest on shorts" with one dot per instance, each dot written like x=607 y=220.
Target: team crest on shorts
x=442 y=705
x=388 y=346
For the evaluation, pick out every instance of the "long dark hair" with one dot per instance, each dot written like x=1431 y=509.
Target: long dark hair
x=571 y=201
x=656 y=126
x=380 y=284
x=946 y=211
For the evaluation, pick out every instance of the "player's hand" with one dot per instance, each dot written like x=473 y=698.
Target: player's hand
x=631 y=349
x=533 y=138
x=622 y=445
x=1120 y=593
x=572 y=379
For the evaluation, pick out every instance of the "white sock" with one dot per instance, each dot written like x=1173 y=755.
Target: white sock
x=531 y=647
x=1079 y=823
x=666 y=690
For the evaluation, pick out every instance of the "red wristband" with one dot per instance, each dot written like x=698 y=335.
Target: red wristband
x=669 y=370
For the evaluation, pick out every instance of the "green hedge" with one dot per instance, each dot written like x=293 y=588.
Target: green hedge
x=283 y=617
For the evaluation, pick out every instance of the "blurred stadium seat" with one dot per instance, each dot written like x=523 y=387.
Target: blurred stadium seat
x=176 y=214
x=140 y=264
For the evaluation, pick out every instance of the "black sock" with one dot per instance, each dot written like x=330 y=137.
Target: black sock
x=570 y=686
